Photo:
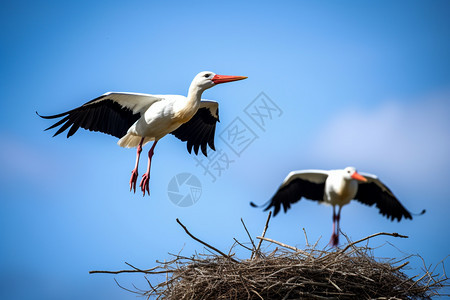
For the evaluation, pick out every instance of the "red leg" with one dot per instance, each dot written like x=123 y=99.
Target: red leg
x=334 y=237
x=144 y=185
x=134 y=173
x=338 y=220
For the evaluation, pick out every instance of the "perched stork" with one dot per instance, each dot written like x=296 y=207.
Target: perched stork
x=137 y=119
x=337 y=188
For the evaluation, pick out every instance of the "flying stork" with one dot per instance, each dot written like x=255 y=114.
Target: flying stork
x=137 y=119
x=337 y=188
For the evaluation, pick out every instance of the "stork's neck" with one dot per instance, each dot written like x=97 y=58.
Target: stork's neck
x=184 y=110
x=195 y=94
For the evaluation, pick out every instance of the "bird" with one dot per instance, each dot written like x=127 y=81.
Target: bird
x=137 y=119
x=337 y=188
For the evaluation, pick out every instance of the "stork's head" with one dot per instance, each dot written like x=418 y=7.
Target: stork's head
x=351 y=173
x=205 y=80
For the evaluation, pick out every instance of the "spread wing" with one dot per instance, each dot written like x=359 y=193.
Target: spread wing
x=375 y=192
x=111 y=113
x=199 y=130
x=309 y=184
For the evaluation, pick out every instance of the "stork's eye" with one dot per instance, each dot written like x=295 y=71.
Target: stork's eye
x=206 y=75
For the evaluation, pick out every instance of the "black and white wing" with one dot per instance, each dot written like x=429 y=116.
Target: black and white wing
x=375 y=192
x=199 y=130
x=111 y=113
x=309 y=184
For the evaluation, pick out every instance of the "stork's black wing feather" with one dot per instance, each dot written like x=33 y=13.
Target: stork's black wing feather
x=103 y=115
x=370 y=193
x=199 y=130
x=293 y=191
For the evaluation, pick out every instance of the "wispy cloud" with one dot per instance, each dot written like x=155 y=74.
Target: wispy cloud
x=408 y=139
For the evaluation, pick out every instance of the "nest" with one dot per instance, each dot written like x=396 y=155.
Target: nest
x=351 y=272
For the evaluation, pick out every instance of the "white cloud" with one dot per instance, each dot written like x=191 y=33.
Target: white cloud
x=411 y=140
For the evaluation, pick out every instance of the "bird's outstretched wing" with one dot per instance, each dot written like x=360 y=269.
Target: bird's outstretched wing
x=199 y=130
x=111 y=113
x=375 y=192
x=309 y=184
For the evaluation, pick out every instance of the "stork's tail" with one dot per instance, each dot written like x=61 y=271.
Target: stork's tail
x=130 y=140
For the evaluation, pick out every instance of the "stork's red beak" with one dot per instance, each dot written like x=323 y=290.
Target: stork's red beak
x=225 y=78
x=359 y=177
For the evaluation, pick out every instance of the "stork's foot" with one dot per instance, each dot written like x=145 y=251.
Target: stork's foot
x=334 y=241
x=144 y=185
x=133 y=180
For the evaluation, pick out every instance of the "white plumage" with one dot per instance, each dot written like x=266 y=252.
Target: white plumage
x=137 y=119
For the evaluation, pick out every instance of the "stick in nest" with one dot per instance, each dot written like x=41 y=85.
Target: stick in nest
x=206 y=244
x=257 y=252
x=394 y=234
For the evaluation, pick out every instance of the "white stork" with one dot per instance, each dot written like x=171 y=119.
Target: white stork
x=137 y=119
x=337 y=188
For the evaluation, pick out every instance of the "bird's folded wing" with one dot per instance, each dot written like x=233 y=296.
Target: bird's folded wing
x=376 y=192
x=309 y=184
x=112 y=113
x=200 y=129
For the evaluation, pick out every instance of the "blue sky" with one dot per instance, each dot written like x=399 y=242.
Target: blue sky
x=362 y=84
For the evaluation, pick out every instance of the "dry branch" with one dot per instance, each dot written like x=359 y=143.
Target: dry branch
x=204 y=243
x=257 y=254
x=248 y=234
x=395 y=234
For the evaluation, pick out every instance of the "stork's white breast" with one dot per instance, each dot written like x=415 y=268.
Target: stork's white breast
x=339 y=191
